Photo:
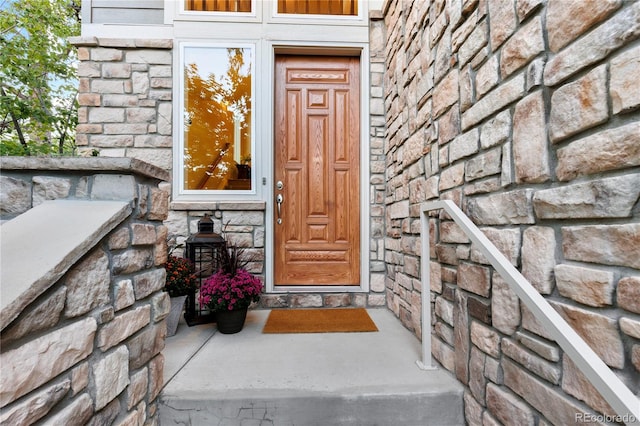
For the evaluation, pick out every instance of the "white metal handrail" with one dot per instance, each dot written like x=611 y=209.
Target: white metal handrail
x=612 y=389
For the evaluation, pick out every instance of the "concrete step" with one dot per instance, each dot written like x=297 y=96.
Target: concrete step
x=252 y=378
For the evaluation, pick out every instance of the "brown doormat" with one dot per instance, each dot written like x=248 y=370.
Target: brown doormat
x=345 y=320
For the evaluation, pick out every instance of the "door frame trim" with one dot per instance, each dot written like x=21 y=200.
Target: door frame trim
x=361 y=50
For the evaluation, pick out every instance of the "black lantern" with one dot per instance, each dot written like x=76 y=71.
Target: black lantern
x=205 y=250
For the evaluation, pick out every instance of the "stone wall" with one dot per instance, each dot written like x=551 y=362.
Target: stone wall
x=125 y=110
x=125 y=94
x=525 y=113
x=87 y=350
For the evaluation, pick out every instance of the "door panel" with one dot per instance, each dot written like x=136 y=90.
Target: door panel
x=317 y=145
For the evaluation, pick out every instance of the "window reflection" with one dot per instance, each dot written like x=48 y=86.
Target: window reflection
x=218 y=5
x=319 y=7
x=217 y=118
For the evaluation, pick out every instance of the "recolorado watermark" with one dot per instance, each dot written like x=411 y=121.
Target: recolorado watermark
x=604 y=418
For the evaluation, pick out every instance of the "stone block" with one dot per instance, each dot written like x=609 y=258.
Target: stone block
x=628 y=294
x=111 y=376
x=594 y=45
x=36 y=406
x=556 y=407
x=448 y=126
x=472 y=45
x=137 y=388
x=123 y=326
x=156 y=380
x=114 y=187
x=42 y=359
x=466 y=88
x=477 y=381
x=508 y=408
x=600 y=332
x=530 y=153
x=119 y=100
x=623 y=88
x=15 y=196
x=503 y=21
x=88 y=284
x=473 y=411
x=488 y=76
x=149 y=282
x=604 y=244
x=579 y=105
x=451 y=177
x=450 y=232
x=505 y=306
x=508 y=208
x=525 y=7
x=462 y=340
x=486 y=164
x=567 y=20
x=520 y=49
x=336 y=300
x=545 y=350
x=630 y=327
x=444 y=310
x=164 y=118
x=112 y=141
x=588 y=286
x=80 y=378
x=49 y=188
x=574 y=383
x=443 y=353
x=88 y=69
x=485 y=338
x=43 y=315
x=78 y=412
x=538 y=257
x=610 y=149
x=479 y=309
x=146 y=344
x=143 y=234
x=496 y=131
x=120 y=239
x=445 y=93
x=540 y=367
x=107 y=415
x=435 y=278
x=123 y=295
x=132 y=260
x=635 y=357
x=494 y=101
x=106 y=54
x=464 y=145
x=611 y=197
x=159 y=207
x=161 y=305
x=116 y=70
x=149 y=56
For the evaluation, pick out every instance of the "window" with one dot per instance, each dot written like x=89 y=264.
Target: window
x=216 y=119
x=319 y=7
x=218 y=5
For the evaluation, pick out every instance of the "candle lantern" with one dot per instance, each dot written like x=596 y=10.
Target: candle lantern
x=204 y=249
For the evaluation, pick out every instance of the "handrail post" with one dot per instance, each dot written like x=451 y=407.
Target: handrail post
x=425 y=295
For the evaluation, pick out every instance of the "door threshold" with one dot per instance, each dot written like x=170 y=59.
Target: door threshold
x=317 y=289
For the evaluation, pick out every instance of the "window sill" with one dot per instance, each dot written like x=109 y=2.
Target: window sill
x=218 y=205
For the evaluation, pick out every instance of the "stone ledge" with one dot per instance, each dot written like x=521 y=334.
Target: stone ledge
x=39 y=246
x=121 y=42
x=104 y=165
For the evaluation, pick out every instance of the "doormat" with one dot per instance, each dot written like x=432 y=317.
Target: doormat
x=346 y=320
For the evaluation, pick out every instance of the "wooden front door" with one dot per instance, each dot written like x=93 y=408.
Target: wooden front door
x=317 y=169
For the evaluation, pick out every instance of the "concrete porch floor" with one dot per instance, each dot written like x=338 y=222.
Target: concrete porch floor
x=252 y=378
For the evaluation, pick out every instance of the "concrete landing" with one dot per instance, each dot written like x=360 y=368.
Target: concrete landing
x=252 y=378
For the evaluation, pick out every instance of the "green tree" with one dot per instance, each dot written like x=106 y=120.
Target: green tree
x=38 y=79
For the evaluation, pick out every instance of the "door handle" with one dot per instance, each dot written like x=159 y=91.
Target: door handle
x=279 y=200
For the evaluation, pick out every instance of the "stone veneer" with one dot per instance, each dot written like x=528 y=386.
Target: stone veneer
x=87 y=348
x=125 y=110
x=526 y=114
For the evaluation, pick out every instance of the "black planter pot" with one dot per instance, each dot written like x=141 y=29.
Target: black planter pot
x=230 y=322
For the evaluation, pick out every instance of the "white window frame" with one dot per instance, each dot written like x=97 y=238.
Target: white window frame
x=179 y=192
x=175 y=11
x=320 y=19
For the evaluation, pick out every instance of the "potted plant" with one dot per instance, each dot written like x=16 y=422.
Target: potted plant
x=180 y=280
x=230 y=291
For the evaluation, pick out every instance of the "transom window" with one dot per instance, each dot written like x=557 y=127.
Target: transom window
x=216 y=119
x=218 y=5
x=319 y=7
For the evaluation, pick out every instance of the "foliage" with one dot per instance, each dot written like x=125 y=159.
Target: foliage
x=38 y=82
x=232 y=287
x=181 y=276
x=211 y=103
x=224 y=291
